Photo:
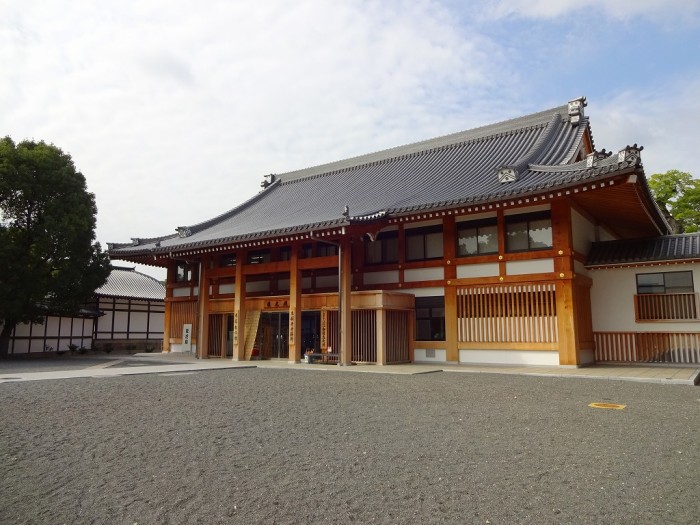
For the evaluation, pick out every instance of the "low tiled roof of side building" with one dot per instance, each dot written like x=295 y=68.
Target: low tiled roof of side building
x=128 y=283
x=631 y=251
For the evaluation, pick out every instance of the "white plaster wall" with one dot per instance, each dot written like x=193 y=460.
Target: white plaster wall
x=181 y=292
x=477 y=270
x=605 y=235
x=432 y=291
x=138 y=322
x=530 y=266
x=179 y=348
x=120 y=321
x=51 y=326
x=509 y=357
x=581 y=269
x=612 y=300
x=419 y=356
x=423 y=274
x=391 y=276
x=583 y=232
x=227 y=288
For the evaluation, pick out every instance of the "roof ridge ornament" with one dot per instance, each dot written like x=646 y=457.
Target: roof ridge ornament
x=183 y=231
x=267 y=180
x=576 y=110
x=630 y=154
x=593 y=157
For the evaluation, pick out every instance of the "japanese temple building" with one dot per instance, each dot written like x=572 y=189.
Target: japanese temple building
x=467 y=248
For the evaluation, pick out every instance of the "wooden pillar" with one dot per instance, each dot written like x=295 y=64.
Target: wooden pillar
x=382 y=338
x=294 y=307
x=566 y=323
x=345 y=287
x=239 y=310
x=449 y=231
x=167 y=306
x=203 y=310
x=569 y=351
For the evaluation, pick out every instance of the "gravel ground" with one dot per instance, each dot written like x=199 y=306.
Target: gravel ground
x=283 y=446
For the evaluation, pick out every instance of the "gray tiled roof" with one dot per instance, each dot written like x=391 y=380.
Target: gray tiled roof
x=445 y=172
x=666 y=248
x=128 y=283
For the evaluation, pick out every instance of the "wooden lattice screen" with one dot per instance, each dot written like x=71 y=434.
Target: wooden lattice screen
x=364 y=336
x=181 y=313
x=678 y=306
x=216 y=335
x=517 y=313
x=398 y=329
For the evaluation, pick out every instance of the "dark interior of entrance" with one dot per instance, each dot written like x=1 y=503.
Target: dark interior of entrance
x=272 y=339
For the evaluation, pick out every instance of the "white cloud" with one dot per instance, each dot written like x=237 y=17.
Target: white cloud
x=658 y=10
x=174 y=113
x=664 y=121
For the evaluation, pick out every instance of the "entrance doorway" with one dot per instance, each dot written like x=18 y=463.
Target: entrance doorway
x=272 y=339
x=310 y=332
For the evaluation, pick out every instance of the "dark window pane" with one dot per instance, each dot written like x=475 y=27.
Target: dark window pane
x=517 y=236
x=488 y=239
x=467 y=243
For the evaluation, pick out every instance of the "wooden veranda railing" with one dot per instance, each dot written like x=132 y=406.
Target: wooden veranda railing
x=517 y=313
x=648 y=347
x=667 y=307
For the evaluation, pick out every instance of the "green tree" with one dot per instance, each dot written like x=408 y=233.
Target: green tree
x=678 y=194
x=49 y=260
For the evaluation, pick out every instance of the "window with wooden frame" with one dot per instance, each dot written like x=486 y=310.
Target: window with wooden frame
x=326 y=250
x=424 y=243
x=477 y=237
x=529 y=231
x=186 y=272
x=227 y=260
x=430 y=318
x=259 y=257
x=383 y=250
x=666 y=296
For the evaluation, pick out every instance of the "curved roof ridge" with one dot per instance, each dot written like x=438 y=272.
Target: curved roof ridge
x=541 y=144
x=186 y=231
x=491 y=130
x=582 y=127
x=416 y=153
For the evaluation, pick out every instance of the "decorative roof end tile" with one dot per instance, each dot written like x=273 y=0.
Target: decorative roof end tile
x=506 y=174
x=576 y=110
x=630 y=154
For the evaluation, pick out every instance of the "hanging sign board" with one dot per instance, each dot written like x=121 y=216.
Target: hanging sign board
x=187 y=338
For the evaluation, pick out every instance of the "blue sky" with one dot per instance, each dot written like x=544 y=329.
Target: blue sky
x=174 y=112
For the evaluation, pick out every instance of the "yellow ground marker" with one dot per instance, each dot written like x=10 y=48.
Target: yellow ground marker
x=613 y=406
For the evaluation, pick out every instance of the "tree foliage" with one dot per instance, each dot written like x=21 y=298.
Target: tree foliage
x=678 y=193
x=49 y=260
